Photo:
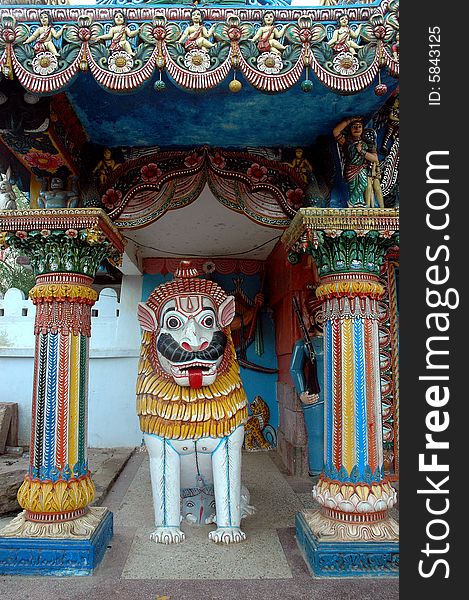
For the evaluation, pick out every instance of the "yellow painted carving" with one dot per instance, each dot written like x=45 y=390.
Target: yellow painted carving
x=94 y=236
x=352 y=288
x=70 y=291
x=363 y=490
x=55 y=497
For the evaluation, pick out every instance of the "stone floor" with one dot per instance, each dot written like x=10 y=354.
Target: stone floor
x=268 y=565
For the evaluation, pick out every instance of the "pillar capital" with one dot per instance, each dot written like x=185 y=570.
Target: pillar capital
x=344 y=241
x=62 y=240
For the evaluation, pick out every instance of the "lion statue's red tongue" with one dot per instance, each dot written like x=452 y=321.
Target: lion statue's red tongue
x=195 y=377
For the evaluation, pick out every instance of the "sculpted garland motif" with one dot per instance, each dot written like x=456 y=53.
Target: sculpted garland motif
x=200 y=53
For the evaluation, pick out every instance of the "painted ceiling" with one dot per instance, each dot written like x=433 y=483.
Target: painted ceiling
x=218 y=117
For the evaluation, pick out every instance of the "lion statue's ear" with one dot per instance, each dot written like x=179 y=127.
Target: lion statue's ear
x=146 y=317
x=226 y=311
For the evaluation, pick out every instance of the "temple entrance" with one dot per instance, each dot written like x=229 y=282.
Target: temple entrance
x=226 y=170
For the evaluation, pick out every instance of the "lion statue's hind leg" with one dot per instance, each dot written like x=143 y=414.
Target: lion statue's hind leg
x=226 y=464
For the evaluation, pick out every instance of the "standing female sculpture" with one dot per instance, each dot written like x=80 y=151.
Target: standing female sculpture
x=358 y=155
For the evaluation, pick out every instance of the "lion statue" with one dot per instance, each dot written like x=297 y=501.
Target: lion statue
x=191 y=405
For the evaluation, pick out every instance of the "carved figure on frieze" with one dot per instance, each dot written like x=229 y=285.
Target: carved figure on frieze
x=119 y=34
x=46 y=54
x=7 y=195
x=58 y=197
x=342 y=39
x=266 y=51
x=196 y=36
x=357 y=155
x=191 y=403
x=45 y=34
x=268 y=35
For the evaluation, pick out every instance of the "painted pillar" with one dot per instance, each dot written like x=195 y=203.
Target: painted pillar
x=65 y=248
x=58 y=485
x=352 y=487
x=348 y=247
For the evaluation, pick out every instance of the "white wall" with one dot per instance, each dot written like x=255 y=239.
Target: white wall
x=115 y=348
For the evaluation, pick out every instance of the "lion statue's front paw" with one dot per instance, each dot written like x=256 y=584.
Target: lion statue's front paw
x=227 y=535
x=167 y=535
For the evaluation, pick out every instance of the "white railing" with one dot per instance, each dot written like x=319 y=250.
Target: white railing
x=115 y=348
x=17 y=315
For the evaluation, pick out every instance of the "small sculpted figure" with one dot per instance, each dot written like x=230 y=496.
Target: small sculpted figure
x=196 y=34
x=268 y=36
x=301 y=165
x=44 y=34
x=119 y=33
x=105 y=166
x=373 y=189
x=7 y=195
x=191 y=405
x=258 y=420
x=343 y=36
x=57 y=196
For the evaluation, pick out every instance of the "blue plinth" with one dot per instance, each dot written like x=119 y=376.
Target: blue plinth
x=346 y=559
x=46 y=556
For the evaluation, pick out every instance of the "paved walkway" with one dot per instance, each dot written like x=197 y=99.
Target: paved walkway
x=267 y=566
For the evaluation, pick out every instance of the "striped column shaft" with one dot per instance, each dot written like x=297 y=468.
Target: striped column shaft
x=353 y=480
x=58 y=486
x=328 y=397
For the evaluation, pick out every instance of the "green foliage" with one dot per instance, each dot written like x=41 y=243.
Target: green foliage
x=14 y=275
x=323 y=53
x=176 y=51
x=143 y=52
x=291 y=53
x=23 y=53
x=248 y=49
x=70 y=52
x=367 y=54
x=219 y=53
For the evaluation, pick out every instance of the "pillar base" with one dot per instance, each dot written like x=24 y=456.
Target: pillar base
x=58 y=549
x=370 y=550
